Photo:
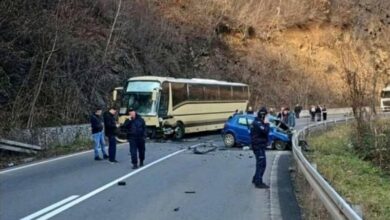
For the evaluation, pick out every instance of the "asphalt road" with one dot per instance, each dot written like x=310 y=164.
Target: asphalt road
x=174 y=184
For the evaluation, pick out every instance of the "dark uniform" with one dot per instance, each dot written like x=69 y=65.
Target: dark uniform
x=110 y=132
x=136 y=134
x=324 y=113
x=259 y=138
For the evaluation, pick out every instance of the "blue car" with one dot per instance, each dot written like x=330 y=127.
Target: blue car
x=237 y=132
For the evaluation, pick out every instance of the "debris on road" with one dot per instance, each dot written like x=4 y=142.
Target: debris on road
x=245 y=148
x=176 y=209
x=190 y=192
x=204 y=148
x=121 y=183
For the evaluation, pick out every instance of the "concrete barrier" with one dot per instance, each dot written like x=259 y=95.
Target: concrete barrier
x=51 y=136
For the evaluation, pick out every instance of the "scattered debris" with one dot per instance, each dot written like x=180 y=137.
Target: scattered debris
x=204 y=148
x=291 y=169
x=245 y=148
x=11 y=164
x=190 y=192
x=250 y=156
x=176 y=209
x=121 y=183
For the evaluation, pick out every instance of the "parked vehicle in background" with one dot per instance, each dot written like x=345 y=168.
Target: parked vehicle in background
x=385 y=99
x=174 y=107
x=237 y=132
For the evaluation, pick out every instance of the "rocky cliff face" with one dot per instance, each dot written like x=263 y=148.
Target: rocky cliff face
x=58 y=59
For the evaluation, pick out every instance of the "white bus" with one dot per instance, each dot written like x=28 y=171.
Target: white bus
x=173 y=106
x=385 y=99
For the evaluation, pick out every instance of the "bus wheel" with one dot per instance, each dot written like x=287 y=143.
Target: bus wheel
x=229 y=140
x=179 y=131
x=279 y=145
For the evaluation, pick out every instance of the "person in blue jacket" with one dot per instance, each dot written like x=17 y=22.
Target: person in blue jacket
x=259 y=137
x=136 y=135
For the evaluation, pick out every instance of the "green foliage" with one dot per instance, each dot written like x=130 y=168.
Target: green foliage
x=360 y=182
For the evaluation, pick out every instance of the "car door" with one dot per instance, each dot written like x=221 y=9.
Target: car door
x=243 y=129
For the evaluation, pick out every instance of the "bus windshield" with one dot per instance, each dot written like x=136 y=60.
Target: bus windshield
x=139 y=97
x=385 y=94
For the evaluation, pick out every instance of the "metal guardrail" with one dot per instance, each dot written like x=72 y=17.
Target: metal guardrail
x=334 y=203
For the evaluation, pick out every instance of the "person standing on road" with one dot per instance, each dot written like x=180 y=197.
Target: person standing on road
x=97 y=133
x=291 y=119
x=259 y=136
x=136 y=134
x=312 y=112
x=297 y=110
x=110 y=132
x=318 y=112
x=324 y=113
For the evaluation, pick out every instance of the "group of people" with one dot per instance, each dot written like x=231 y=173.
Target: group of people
x=104 y=124
x=318 y=112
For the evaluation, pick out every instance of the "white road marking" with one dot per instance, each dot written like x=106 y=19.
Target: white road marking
x=49 y=208
x=46 y=161
x=274 y=194
x=96 y=191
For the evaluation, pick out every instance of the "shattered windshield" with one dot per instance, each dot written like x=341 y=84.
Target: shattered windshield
x=139 y=97
x=142 y=102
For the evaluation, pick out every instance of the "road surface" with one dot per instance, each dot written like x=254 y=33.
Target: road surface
x=174 y=184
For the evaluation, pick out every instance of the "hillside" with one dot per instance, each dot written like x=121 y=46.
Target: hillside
x=60 y=58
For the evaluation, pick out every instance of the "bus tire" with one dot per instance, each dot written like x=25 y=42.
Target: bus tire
x=179 y=131
x=279 y=145
x=229 y=140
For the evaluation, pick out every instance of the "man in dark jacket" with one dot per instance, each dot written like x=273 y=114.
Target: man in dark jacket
x=110 y=132
x=136 y=134
x=97 y=133
x=259 y=138
x=324 y=113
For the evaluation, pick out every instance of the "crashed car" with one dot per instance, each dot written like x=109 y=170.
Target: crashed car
x=237 y=132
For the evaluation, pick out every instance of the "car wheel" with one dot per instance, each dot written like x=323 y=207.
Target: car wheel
x=229 y=140
x=179 y=131
x=279 y=145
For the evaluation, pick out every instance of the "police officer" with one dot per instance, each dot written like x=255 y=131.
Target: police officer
x=259 y=137
x=136 y=134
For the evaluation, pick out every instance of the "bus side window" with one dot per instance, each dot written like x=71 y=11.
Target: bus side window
x=196 y=92
x=179 y=93
x=225 y=92
x=164 y=99
x=211 y=92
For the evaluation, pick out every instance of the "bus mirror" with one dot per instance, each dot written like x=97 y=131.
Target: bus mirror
x=114 y=95
x=154 y=96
